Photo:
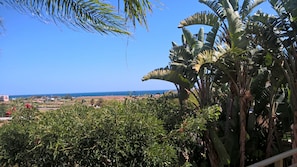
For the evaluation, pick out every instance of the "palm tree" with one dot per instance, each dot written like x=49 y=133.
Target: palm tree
x=91 y=15
x=237 y=59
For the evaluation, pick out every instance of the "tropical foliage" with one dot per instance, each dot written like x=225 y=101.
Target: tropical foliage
x=249 y=72
x=139 y=132
x=235 y=102
x=91 y=15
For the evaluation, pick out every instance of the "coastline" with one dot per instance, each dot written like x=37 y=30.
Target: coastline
x=114 y=94
x=110 y=97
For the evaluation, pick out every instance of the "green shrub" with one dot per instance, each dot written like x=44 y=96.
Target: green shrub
x=78 y=135
x=165 y=108
x=3 y=109
x=14 y=144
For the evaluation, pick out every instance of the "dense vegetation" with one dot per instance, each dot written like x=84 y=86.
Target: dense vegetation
x=246 y=64
x=236 y=102
x=139 y=132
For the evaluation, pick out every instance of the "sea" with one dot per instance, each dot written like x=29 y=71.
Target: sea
x=116 y=93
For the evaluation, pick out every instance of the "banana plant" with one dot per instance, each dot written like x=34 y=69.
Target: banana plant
x=228 y=31
x=182 y=59
x=277 y=35
x=181 y=83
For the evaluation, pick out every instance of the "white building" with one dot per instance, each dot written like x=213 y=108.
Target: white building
x=4 y=98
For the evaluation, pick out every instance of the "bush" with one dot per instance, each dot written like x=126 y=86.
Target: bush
x=78 y=135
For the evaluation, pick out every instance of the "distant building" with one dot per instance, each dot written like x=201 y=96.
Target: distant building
x=4 y=98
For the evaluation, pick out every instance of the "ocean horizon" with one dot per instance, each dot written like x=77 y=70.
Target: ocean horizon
x=111 y=93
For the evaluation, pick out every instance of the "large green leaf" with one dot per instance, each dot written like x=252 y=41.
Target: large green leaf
x=168 y=75
x=205 y=57
x=285 y=7
x=220 y=148
x=235 y=26
x=216 y=7
x=204 y=18
x=189 y=38
x=211 y=37
x=278 y=6
x=234 y=4
x=200 y=43
x=248 y=6
x=180 y=54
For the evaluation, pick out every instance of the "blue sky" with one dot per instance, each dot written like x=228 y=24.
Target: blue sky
x=39 y=58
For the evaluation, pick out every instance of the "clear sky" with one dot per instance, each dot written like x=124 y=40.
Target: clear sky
x=40 y=58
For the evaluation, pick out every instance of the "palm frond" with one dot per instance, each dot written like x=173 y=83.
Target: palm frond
x=92 y=15
x=204 y=18
x=200 y=35
x=211 y=37
x=205 y=57
x=235 y=24
x=278 y=6
x=285 y=7
x=189 y=38
x=248 y=6
x=179 y=54
x=262 y=32
x=291 y=6
x=216 y=7
x=136 y=10
x=168 y=75
x=234 y=4
x=200 y=42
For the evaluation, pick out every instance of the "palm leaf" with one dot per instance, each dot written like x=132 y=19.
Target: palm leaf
x=264 y=34
x=220 y=148
x=284 y=7
x=204 y=18
x=179 y=54
x=235 y=25
x=291 y=7
x=189 y=38
x=248 y=6
x=211 y=37
x=205 y=57
x=200 y=43
x=216 y=7
x=278 y=6
x=208 y=19
x=168 y=75
x=234 y=4
x=93 y=16
x=200 y=35
x=136 y=10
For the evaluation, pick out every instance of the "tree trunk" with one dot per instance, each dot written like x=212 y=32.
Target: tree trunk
x=212 y=154
x=294 y=143
x=228 y=117
x=294 y=129
x=270 y=137
x=243 y=109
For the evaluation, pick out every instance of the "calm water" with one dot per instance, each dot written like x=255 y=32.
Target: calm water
x=120 y=93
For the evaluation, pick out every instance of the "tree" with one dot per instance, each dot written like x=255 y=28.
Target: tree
x=236 y=60
x=190 y=70
x=277 y=36
x=93 y=16
x=180 y=71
